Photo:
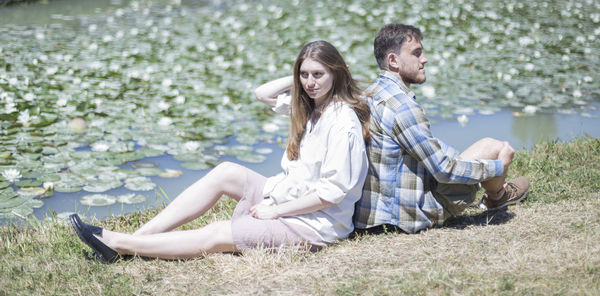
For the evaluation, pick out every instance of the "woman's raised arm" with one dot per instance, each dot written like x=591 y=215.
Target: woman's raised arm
x=267 y=93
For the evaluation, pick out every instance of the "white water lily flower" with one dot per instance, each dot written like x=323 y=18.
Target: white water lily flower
x=462 y=120
x=162 y=105
x=61 y=102
x=530 y=109
x=510 y=94
x=191 y=146
x=11 y=175
x=167 y=82
x=24 y=118
x=577 y=93
x=10 y=108
x=51 y=70
x=525 y=40
x=428 y=91
x=48 y=185
x=100 y=147
x=529 y=67
x=180 y=100
x=165 y=121
x=95 y=65
x=29 y=97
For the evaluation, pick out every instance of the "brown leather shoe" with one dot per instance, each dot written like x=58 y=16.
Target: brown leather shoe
x=515 y=191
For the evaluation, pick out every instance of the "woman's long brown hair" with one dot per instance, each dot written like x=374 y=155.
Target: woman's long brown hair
x=344 y=89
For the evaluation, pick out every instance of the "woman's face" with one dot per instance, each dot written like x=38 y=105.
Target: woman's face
x=316 y=80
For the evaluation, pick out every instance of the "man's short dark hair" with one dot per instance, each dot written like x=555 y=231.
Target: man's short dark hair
x=390 y=38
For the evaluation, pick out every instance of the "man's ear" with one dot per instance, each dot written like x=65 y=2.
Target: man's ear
x=393 y=61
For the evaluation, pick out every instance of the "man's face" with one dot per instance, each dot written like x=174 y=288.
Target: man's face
x=411 y=62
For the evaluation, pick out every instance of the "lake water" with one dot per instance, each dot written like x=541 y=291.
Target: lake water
x=160 y=75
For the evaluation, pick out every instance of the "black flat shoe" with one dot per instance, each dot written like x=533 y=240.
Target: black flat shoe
x=86 y=234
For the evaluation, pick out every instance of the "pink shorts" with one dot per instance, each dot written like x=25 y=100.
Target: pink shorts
x=249 y=232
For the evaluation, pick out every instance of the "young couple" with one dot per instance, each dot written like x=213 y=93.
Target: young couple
x=337 y=140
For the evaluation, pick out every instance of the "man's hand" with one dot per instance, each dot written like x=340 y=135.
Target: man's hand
x=506 y=155
x=264 y=212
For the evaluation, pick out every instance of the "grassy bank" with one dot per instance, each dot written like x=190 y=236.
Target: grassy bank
x=547 y=245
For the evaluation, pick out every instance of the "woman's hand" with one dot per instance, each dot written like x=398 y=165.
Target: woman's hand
x=264 y=212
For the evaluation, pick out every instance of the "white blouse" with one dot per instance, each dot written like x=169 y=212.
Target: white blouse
x=332 y=163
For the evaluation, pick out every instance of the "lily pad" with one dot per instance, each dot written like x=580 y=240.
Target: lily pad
x=103 y=186
x=31 y=191
x=139 y=184
x=169 y=173
x=131 y=198
x=195 y=165
x=98 y=200
x=149 y=171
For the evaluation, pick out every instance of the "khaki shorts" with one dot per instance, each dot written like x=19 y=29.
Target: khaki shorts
x=455 y=197
x=249 y=232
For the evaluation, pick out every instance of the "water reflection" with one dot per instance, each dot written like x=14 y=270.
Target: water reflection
x=533 y=129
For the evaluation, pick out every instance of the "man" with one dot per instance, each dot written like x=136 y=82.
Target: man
x=415 y=180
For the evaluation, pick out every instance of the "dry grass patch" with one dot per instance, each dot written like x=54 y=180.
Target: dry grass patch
x=546 y=246
x=538 y=249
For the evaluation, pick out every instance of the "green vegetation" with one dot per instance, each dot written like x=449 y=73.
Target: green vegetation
x=83 y=94
x=546 y=245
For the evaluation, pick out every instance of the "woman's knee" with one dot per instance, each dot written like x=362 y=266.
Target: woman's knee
x=231 y=176
x=219 y=237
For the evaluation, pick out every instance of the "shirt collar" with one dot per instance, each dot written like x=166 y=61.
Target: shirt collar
x=395 y=78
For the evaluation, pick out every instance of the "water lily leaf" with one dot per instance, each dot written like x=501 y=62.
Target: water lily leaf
x=149 y=171
x=98 y=200
x=67 y=188
x=195 y=165
x=131 y=198
x=29 y=183
x=252 y=158
x=31 y=191
x=265 y=150
x=14 y=205
x=143 y=164
x=139 y=184
x=4 y=184
x=169 y=173
x=103 y=185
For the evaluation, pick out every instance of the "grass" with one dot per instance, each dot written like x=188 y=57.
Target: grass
x=546 y=246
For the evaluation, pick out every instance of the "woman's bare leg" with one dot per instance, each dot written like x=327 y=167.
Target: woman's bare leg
x=227 y=178
x=213 y=238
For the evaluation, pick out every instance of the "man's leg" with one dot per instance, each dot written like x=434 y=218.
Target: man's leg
x=488 y=148
x=499 y=193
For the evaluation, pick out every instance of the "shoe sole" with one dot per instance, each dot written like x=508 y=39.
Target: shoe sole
x=97 y=254
x=504 y=205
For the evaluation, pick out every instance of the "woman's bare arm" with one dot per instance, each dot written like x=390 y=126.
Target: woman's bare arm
x=267 y=93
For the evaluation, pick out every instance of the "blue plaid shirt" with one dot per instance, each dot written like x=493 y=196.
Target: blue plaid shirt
x=406 y=162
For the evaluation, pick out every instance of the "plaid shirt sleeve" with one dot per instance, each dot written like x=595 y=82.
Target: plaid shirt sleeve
x=405 y=162
x=411 y=131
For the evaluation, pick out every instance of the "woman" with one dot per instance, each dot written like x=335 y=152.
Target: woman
x=310 y=202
